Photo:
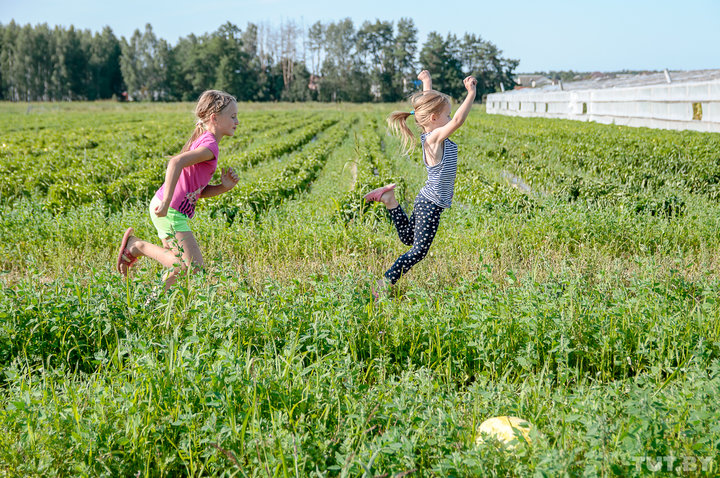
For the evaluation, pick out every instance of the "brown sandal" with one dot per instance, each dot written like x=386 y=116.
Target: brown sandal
x=124 y=255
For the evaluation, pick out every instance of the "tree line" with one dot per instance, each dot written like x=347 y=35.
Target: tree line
x=334 y=61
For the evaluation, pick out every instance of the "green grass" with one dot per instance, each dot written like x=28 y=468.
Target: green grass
x=586 y=307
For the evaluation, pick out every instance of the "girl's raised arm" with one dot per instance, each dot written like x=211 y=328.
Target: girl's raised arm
x=440 y=134
x=424 y=76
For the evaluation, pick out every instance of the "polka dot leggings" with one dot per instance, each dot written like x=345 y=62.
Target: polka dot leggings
x=418 y=231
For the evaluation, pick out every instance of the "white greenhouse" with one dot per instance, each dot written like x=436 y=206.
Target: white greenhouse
x=669 y=100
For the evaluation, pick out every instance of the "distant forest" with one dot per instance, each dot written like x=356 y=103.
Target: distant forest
x=335 y=61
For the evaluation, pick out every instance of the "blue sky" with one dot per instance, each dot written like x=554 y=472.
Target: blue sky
x=562 y=34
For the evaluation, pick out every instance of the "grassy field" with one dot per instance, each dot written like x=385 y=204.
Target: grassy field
x=573 y=283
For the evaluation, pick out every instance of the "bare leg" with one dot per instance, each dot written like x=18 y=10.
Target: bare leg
x=191 y=255
x=378 y=193
x=167 y=256
x=140 y=248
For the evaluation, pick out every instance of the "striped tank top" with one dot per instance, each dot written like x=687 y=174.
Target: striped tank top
x=440 y=185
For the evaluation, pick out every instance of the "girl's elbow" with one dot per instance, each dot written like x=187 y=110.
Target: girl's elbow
x=179 y=162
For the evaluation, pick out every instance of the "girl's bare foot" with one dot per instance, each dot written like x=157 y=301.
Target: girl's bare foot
x=377 y=193
x=388 y=198
x=384 y=195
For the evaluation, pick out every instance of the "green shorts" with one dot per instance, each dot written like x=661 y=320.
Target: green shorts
x=167 y=226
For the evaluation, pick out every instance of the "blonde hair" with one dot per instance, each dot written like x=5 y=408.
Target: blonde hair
x=210 y=102
x=425 y=104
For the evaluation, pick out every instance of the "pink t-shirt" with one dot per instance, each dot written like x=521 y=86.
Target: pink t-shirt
x=193 y=179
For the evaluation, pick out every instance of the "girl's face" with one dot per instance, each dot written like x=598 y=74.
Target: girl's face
x=226 y=121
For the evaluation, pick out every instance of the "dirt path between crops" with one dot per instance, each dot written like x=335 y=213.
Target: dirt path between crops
x=516 y=181
x=353 y=173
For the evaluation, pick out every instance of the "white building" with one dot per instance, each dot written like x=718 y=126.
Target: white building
x=671 y=100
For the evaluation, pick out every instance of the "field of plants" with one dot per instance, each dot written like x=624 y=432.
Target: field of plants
x=574 y=283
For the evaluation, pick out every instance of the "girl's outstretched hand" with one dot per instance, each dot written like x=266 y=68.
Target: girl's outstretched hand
x=229 y=178
x=470 y=83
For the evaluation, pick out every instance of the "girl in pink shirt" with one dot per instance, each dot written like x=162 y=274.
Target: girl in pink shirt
x=186 y=180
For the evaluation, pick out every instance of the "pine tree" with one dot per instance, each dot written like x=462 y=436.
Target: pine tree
x=441 y=57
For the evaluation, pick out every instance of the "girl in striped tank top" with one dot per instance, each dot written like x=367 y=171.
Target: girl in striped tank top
x=431 y=110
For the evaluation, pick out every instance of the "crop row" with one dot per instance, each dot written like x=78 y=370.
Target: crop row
x=372 y=169
x=249 y=199
x=87 y=164
x=134 y=139
x=140 y=185
x=647 y=171
x=474 y=187
x=260 y=130
x=284 y=143
x=33 y=162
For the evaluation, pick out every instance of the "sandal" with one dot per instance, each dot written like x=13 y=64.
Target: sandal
x=376 y=194
x=124 y=255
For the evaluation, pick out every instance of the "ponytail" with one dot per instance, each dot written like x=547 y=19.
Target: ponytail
x=397 y=122
x=197 y=132
x=424 y=103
